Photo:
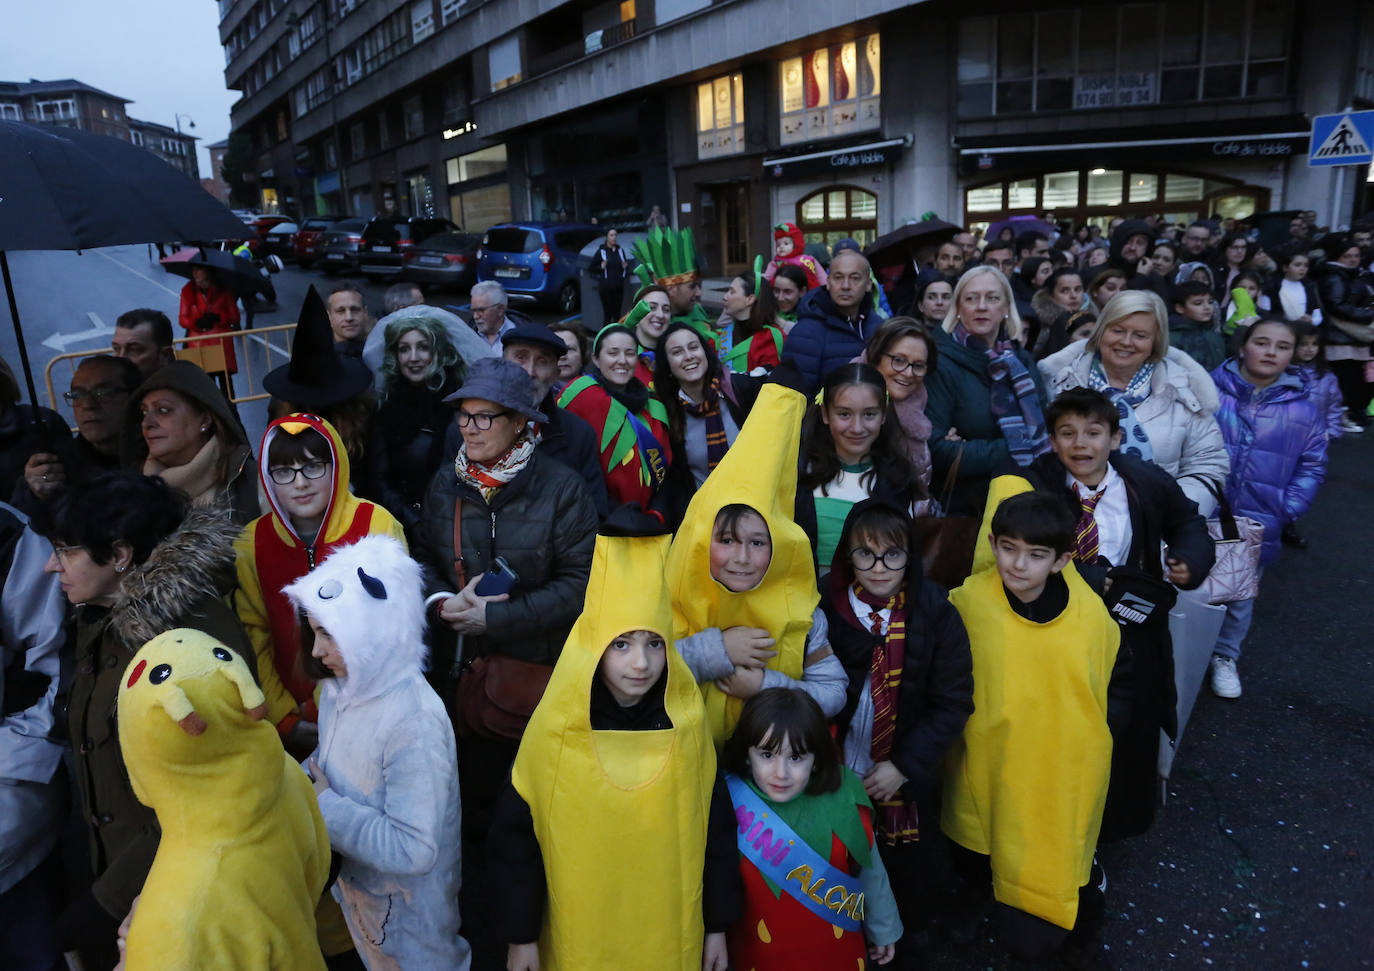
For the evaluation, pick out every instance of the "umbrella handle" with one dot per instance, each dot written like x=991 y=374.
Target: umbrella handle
x=19 y=338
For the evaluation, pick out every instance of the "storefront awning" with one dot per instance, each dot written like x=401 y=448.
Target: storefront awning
x=837 y=159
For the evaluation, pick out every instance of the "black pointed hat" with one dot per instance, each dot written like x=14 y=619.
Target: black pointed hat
x=317 y=376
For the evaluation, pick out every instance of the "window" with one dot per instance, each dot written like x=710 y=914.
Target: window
x=383 y=131
x=836 y=212
x=1123 y=55
x=832 y=91
x=310 y=27
x=475 y=165
x=450 y=9
x=357 y=141
x=10 y=112
x=331 y=156
x=420 y=195
x=56 y=110
x=503 y=61
x=136 y=137
x=413 y=114
x=720 y=116
x=283 y=133
x=302 y=101
x=421 y=20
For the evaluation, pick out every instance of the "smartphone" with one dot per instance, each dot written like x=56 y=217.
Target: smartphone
x=498 y=580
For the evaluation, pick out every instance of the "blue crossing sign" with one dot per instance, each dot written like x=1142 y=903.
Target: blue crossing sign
x=1343 y=139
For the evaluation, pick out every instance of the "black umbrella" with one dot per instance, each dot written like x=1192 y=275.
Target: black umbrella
x=64 y=189
x=236 y=274
x=902 y=239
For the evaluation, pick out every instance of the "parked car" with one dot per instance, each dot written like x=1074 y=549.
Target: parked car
x=307 y=245
x=279 y=241
x=338 y=246
x=446 y=260
x=387 y=239
x=538 y=261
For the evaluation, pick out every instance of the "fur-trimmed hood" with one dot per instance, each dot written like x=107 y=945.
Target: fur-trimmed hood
x=196 y=561
x=368 y=596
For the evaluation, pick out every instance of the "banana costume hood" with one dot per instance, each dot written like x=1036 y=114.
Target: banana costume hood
x=270 y=554
x=387 y=748
x=243 y=855
x=760 y=471
x=608 y=803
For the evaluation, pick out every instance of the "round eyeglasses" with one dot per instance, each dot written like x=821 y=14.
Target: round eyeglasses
x=866 y=559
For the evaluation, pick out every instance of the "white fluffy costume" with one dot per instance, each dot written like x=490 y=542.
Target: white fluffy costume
x=387 y=749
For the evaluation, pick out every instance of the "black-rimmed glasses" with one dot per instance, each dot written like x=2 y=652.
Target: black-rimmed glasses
x=866 y=559
x=97 y=395
x=286 y=474
x=482 y=420
x=900 y=364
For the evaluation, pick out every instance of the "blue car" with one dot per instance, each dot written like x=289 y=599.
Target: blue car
x=538 y=261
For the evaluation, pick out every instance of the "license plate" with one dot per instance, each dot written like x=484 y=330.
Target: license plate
x=509 y=273
x=333 y=256
x=431 y=260
x=381 y=249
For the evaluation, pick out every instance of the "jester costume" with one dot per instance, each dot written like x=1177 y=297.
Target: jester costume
x=633 y=429
x=669 y=257
x=760 y=471
x=606 y=804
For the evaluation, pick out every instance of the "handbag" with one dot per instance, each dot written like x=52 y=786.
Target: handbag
x=1239 y=541
x=948 y=542
x=496 y=695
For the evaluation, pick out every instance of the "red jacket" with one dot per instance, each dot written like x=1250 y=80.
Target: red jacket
x=195 y=303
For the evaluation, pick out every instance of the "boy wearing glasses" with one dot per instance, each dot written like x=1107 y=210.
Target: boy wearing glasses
x=305 y=471
x=910 y=691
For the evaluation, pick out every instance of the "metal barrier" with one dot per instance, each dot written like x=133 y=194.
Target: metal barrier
x=244 y=341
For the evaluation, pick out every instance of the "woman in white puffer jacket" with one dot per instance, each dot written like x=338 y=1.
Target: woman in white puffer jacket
x=1172 y=399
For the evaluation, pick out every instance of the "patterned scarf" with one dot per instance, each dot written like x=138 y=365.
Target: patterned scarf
x=1014 y=401
x=487 y=479
x=897 y=819
x=709 y=410
x=1134 y=440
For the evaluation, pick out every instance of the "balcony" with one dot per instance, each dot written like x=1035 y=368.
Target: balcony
x=596 y=41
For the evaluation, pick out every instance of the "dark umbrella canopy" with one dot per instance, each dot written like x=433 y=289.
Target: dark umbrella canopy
x=237 y=275
x=896 y=246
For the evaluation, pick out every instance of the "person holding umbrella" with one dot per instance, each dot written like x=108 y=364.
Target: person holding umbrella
x=209 y=308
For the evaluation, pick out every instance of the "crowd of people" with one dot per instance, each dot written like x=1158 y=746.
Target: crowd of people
x=625 y=649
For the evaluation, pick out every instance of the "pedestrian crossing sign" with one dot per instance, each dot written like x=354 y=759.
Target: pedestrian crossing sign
x=1343 y=139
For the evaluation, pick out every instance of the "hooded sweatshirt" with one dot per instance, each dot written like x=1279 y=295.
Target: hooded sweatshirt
x=271 y=554
x=387 y=748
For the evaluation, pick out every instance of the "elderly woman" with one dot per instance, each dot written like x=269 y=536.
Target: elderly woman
x=985 y=389
x=183 y=431
x=903 y=351
x=1166 y=400
x=420 y=368
x=134 y=559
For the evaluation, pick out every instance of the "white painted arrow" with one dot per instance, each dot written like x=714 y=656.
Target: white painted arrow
x=59 y=342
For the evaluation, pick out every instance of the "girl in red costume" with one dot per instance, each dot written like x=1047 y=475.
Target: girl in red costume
x=789 y=249
x=208 y=308
x=816 y=893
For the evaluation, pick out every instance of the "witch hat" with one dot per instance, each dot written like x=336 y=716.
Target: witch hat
x=317 y=376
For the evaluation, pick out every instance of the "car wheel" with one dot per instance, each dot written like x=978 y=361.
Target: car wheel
x=569 y=299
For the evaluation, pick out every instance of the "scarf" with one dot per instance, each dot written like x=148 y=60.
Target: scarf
x=1134 y=439
x=709 y=411
x=897 y=820
x=1014 y=400
x=488 y=479
x=198 y=478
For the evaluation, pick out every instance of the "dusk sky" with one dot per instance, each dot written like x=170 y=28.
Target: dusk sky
x=163 y=55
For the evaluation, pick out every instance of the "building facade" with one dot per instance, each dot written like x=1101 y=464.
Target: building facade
x=849 y=118
x=74 y=104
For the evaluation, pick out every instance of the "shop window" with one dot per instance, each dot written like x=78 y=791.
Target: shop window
x=475 y=165
x=1178 y=187
x=832 y=214
x=1143 y=188
x=1021 y=194
x=720 y=116
x=1104 y=187
x=1060 y=190
x=986 y=199
x=832 y=91
x=420 y=195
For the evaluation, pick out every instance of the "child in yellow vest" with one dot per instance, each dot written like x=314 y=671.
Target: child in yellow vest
x=1026 y=783
x=616 y=775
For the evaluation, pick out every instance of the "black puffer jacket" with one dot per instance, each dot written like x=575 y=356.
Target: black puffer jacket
x=544 y=524
x=1347 y=295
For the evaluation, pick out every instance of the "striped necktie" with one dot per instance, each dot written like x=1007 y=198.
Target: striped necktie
x=1085 y=537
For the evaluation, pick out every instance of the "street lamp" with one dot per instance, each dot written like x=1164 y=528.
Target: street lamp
x=189 y=122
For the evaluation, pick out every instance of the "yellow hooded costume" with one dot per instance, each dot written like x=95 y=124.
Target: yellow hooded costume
x=760 y=471
x=606 y=804
x=1026 y=782
x=244 y=854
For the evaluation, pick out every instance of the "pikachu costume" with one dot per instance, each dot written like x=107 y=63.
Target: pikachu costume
x=244 y=855
x=607 y=804
x=760 y=471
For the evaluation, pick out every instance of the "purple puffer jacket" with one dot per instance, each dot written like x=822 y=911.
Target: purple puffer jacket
x=1276 y=438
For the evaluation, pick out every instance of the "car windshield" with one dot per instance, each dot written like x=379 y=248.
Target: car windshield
x=385 y=229
x=513 y=239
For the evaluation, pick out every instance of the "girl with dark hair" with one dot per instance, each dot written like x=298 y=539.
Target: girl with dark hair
x=702 y=402
x=789 y=286
x=782 y=768
x=853 y=450
x=573 y=364
x=933 y=293
x=1236 y=252
x=1293 y=295
x=751 y=315
x=135 y=559
x=648 y=319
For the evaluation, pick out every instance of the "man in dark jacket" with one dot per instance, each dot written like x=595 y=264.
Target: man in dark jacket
x=1131 y=245
x=833 y=322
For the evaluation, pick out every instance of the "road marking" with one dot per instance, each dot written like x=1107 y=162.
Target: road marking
x=95 y=318
x=128 y=269
x=59 y=342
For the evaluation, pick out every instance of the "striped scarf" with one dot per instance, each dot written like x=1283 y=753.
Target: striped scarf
x=897 y=820
x=1014 y=399
x=1134 y=439
x=487 y=479
x=709 y=411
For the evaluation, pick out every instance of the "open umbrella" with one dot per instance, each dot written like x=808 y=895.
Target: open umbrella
x=470 y=347
x=64 y=189
x=904 y=238
x=1022 y=224
x=236 y=274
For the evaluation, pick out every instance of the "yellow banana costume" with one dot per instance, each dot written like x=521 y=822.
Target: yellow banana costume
x=244 y=854
x=760 y=470
x=610 y=803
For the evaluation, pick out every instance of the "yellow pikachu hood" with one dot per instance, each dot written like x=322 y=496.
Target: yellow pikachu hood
x=760 y=470
x=244 y=854
x=608 y=803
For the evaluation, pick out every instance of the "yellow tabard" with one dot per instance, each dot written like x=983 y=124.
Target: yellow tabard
x=760 y=470
x=621 y=817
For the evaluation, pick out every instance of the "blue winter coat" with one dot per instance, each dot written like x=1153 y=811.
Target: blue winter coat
x=1276 y=437
x=822 y=340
